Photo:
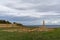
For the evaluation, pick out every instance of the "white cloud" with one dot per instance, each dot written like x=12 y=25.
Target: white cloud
x=32 y=13
x=55 y=21
x=10 y=5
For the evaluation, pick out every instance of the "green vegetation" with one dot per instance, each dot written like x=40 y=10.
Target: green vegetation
x=7 y=22
x=18 y=24
x=4 y=22
x=50 y=35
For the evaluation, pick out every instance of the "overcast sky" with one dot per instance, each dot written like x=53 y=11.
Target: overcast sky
x=31 y=12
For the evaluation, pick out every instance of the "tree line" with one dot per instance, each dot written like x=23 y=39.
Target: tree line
x=7 y=22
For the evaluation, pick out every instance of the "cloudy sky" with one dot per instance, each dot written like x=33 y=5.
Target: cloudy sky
x=31 y=12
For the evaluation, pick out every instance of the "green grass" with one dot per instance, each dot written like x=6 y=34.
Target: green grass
x=53 y=35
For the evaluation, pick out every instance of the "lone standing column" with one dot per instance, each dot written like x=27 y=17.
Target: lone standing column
x=43 y=27
x=43 y=23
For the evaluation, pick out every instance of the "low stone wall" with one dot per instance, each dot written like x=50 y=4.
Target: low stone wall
x=8 y=25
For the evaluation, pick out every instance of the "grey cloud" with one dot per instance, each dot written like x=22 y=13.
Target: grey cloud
x=21 y=18
x=39 y=1
x=44 y=5
x=37 y=5
x=26 y=20
x=46 y=8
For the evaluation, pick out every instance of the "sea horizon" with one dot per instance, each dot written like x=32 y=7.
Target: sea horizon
x=48 y=26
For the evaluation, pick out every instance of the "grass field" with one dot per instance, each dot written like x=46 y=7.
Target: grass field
x=50 y=35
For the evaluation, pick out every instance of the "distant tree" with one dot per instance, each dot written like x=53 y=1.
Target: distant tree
x=18 y=24
x=8 y=22
x=4 y=22
x=14 y=22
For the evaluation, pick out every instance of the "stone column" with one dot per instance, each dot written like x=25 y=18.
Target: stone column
x=43 y=23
